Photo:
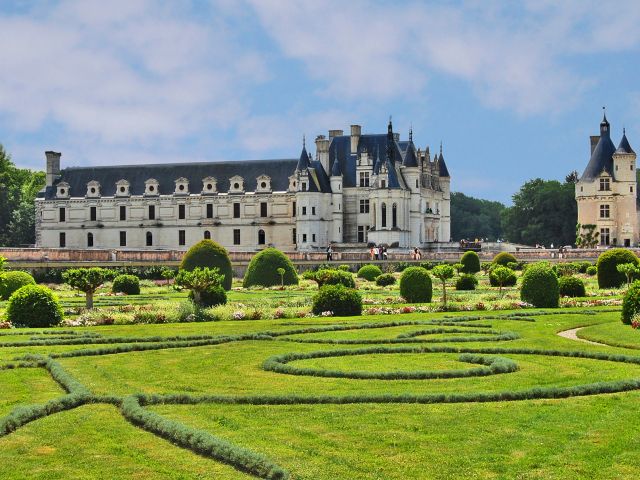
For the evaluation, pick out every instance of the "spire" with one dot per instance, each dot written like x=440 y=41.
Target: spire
x=604 y=125
x=624 y=146
x=304 y=161
x=410 y=158
x=390 y=143
x=442 y=166
x=411 y=133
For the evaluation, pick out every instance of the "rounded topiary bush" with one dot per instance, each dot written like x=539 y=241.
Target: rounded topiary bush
x=34 y=306
x=344 y=268
x=592 y=270
x=415 y=285
x=385 y=279
x=466 y=282
x=540 y=286
x=504 y=258
x=571 y=287
x=211 y=297
x=334 y=277
x=608 y=274
x=340 y=300
x=12 y=281
x=369 y=272
x=470 y=262
x=510 y=281
x=631 y=302
x=129 y=284
x=208 y=253
x=263 y=269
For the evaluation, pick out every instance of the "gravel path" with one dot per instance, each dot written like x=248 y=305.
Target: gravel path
x=571 y=335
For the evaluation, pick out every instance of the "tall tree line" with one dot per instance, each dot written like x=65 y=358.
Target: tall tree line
x=18 y=190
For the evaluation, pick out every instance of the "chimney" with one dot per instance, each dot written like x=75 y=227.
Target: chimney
x=322 y=147
x=53 y=166
x=335 y=133
x=356 y=130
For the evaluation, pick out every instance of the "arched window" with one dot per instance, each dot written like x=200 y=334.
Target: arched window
x=207 y=235
x=261 y=237
x=394 y=216
x=149 y=239
x=89 y=239
x=383 y=212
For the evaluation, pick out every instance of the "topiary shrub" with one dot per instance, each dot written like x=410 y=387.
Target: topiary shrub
x=344 y=268
x=571 y=287
x=209 y=254
x=263 y=269
x=12 y=281
x=592 y=270
x=415 y=285
x=470 y=262
x=369 y=272
x=128 y=284
x=334 y=277
x=504 y=258
x=540 y=286
x=608 y=274
x=340 y=300
x=509 y=282
x=385 y=279
x=631 y=302
x=466 y=282
x=212 y=296
x=34 y=306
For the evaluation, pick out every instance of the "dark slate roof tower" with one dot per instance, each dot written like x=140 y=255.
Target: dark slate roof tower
x=442 y=167
x=624 y=146
x=602 y=156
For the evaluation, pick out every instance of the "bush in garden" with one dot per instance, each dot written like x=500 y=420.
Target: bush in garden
x=582 y=266
x=209 y=254
x=34 y=306
x=129 y=284
x=344 y=268
x=263 y=269
x=466 y=281
x=571 y=287
x=470 y=262
x=334 y=277
x=199 y=280
x=443 y=272
x=565 y=269
x=401 y=266
x=340 y=300
x=369 y=272
x=513 y=265
x=508 y=282
x=504 y=258
x=210 y=297
x=12 y=281
x=415 y=285
x=428 y=265
x=385 y=279
x=592 y=270
x=629 y=270
x=486 y=267
x=540 y=286
x=87 y=280
x=631 y=302
x=608 y=274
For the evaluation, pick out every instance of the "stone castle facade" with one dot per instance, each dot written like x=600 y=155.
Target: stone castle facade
x=607 y=191
x=359 y=189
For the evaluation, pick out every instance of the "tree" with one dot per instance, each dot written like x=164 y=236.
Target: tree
x=475 y=218
x=629 y=270
x=502 y=275
x=586 y=236
x=199 y=280
x=543 y=212
x=443 y=272
x=87 y=280
x=281 y=271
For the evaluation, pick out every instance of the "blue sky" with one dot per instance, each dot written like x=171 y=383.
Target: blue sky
x=512 y=89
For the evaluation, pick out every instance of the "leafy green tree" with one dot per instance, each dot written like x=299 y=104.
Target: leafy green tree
x=502 y=275
x=443 y=272
x=543 y=212
x=87 y=280
x=629 y=270
x=475 y=218
x=199 y=280
x=586 y=236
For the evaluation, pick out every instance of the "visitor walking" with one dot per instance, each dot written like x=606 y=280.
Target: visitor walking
x=376 y=252
x=329 y=253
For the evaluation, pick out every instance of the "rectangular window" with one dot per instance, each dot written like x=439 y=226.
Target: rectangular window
x=123 y=212
x=182 y=238
x=294 y=210
x=605 y=184
x=364 y=179
x=152 y=212
x=90 y=240
x=604 y=236
x=293 y=236
x=631 y=189
x=236 y=210
x=304 y=186
x=263 y=209
x=304 y=238
x=604 y=211
x=63 y=239
x=93 y=213
x=313 y=210
x=417 y=183
x=123 y=239
x=304 y=210
x=361 y=234
x=313 y=237
x=63 y=214
x=364 y=206
x=182 y=212
x=209 y=210
x=236 y=236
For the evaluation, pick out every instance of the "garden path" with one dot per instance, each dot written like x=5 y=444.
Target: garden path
x=571 y=334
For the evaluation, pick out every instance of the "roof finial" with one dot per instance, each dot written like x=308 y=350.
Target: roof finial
x=440 y=147
x=304 y=141
x=411 y=132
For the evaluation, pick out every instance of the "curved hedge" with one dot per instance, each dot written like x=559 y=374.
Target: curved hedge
x=571 y=287
x=415 y=285
x=385 y=279
x=369 y=272
x=208 y=253
x=129 y=284
x=470 y=262
x=540 y=286
x=466 y=281
x=340 y=300
x=504 y=258
x=263 y=269
x=12 y=281
x=631 y=302
x=608 y=274
x=34 y=306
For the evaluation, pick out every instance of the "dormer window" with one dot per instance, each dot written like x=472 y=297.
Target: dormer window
x=151 y=187
x=182 y=186
x=605 y=184
x=209 y=185
x=93 y=189
x=122 y=188
x=263 y=183
x=63 y=190
x=236 y=184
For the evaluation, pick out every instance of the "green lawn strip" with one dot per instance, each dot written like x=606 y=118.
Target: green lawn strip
x=615 y=334
x=22 y=386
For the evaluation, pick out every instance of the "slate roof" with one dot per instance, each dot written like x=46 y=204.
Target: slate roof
x=624 y=146
x=602 y=156
x=442 y=167
x=166 y=174
x=410 y=159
